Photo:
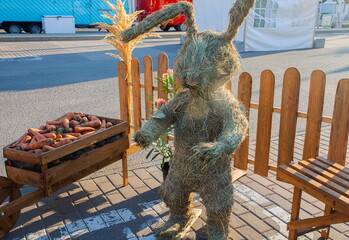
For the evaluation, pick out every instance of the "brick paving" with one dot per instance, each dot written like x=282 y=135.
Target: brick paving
x=99 y=207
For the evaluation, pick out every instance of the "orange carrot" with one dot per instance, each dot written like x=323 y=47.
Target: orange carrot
x=63 y=142
x=47 y=148
x=86 y=134
x=38 y=136
x=59 y=136
x=73 y=123
x=68 y=136
x=50 y=127
x=42 y=127
x=41 y=143
x=77 y=118
x=84 y=119
x=93 y=123
x=38 y=151
x=19 y=140
x=103 y=124
x=22 y=146
x=72 y=134
x=39 y=130
x=109 y=124
x=50 y=135
x=53 y=122
x=70 y=115
x=65 y=122
x=26 y=139
x=80 y=129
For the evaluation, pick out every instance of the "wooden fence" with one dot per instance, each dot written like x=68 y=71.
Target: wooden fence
x=288 y=113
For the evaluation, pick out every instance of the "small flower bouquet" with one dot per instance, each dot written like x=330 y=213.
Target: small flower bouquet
x=161 y=147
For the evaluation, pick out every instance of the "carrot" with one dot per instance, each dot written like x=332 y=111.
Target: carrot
x=42 y=127
x=77 y=118
x=26 y=139
x=19 y=140
x=73 y=123
x=70 y=116
x=63 y=142
x=47 y=148
x=50 y=135
x=72 y=134
x=86 y=134
x=80 y=129
x=93 y=123
x=39 y=130
x=50 y=127
x=109 y=124
x=41 y=143
x=38 y=151
x=59 y=136
x=70 y=130
x=84 y=119
x=22 y=146
x=37 y=135
x=103 y=124
x=65 y=122
x=53 y=122
x=68 y=136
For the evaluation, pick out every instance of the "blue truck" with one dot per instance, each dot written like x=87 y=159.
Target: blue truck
x=26 y=15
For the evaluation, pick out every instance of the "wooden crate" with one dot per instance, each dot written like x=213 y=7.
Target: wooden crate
x=71 y=161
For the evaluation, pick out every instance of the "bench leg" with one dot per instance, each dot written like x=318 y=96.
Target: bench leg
x=124 y=169
x=296 y=204
x=326 y=233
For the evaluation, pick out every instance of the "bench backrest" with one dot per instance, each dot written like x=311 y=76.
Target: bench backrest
x=289 y=114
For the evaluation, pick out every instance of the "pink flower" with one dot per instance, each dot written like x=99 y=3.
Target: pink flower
x=169 y=71
x=159 y=102
x=164 y=76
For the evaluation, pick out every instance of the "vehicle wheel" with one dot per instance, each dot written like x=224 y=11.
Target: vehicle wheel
x=14 y=28
x=165 y=28
x=181 y=27
x=34 y=28
x=10 y=189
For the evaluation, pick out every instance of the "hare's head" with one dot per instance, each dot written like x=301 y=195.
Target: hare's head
x=207 y=59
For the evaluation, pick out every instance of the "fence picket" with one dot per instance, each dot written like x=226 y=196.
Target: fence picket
x=162 y=67
x=264 y=124
x=314 y=114
x=148 y=86
x=244 y=96
x=340 y=125
x=136 y=94
x=288 y=118
x=122 y=73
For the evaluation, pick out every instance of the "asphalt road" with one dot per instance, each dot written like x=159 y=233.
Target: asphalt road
x=41 y=81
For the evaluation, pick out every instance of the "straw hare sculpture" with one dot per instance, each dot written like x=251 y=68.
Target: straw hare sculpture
x=209 y=123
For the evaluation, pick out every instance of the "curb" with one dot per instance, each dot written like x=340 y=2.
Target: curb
x=70 y=37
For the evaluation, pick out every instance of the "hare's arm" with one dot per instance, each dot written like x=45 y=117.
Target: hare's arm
x=160 y=17
x=161 y=121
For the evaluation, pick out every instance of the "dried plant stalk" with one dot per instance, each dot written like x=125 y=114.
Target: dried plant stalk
x=120 y=22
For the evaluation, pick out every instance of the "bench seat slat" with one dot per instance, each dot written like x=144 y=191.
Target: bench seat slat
x=314 y=188
x=311 y=173
x=335 y=165
x=329 y=172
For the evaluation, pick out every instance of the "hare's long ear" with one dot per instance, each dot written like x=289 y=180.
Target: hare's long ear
x=237 y=15
x=163 y=16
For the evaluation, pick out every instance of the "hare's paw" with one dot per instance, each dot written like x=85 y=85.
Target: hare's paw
x=208 y=150
x=142 y=138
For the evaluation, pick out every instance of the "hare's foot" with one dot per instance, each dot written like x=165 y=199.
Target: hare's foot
x=177 y=226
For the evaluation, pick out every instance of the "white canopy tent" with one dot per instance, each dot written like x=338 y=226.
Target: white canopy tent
x=271 y=25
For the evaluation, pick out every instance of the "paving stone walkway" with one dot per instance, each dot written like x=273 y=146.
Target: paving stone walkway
x=99 y=207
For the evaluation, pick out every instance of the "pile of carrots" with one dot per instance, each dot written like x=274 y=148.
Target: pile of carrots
x=54 y=134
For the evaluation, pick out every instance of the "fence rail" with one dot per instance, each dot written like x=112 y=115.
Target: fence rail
x=289 y=113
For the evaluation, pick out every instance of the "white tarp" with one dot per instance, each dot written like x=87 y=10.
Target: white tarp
x=271 y=25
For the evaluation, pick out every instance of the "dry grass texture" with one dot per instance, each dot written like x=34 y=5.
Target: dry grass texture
x=120 y=22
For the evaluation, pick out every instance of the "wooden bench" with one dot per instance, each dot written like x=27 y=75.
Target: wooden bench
x=323 y=179
x=259 y=157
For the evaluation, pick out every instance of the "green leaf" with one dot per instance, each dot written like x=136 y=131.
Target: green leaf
x=155 y=156
x=149 y=153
